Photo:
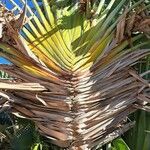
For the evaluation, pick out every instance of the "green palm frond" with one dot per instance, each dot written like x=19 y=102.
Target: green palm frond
x=73 y=67
x=3 y=75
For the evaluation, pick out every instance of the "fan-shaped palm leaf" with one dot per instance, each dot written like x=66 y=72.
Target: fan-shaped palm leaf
x=72 y=67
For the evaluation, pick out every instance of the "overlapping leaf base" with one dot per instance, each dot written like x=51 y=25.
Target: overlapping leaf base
x=83 y=117
x=72 y=76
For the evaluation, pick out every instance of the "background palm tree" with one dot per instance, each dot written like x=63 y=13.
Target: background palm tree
x=72 y=68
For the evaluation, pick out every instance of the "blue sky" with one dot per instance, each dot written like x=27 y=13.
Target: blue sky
x=4 y=61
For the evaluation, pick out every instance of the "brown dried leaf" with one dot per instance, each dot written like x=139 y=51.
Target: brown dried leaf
x=121 y=27
x=130 y=23
x=20 y=21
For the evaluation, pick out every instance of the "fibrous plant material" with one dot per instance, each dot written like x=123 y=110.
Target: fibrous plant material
x=72 y=72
